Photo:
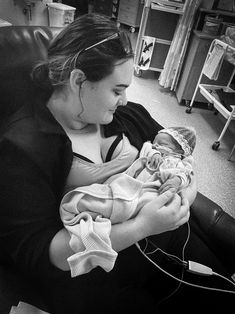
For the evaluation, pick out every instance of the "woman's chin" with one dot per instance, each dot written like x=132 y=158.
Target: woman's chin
x=108 y=119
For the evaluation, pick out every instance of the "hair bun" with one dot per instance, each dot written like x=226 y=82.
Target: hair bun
x=40 y=75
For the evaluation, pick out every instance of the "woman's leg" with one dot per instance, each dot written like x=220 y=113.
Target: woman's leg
x=137 y=286
x=197 y=296
x=123 y=290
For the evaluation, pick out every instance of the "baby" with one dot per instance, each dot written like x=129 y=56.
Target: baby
x=170 y=155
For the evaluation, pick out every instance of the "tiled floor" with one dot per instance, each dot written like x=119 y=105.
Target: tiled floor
x=216 y=175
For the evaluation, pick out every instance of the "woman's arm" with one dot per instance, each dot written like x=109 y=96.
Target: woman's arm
x=60 y=250
x=166 y=212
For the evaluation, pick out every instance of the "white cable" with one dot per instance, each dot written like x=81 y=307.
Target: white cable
x=223 y=277
x=168 y=254
x=183 y=281
x=174 y=257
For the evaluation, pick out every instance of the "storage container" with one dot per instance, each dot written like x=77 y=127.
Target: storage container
x=212 y=24
x=60 y=14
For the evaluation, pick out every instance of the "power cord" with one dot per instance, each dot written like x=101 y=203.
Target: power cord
x=191 y=266
x=175 y=259
x=201 y=269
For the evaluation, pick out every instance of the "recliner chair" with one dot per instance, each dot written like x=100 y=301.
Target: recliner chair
x=20 y=48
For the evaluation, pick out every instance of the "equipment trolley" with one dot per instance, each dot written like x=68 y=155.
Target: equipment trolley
x=218 y=52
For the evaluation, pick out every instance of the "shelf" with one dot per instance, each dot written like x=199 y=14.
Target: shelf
x=155 y=6
x=203 y=35
x=205 y=91
x=163 y=41
x=218 y=12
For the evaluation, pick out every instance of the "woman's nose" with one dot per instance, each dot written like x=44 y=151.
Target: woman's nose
x=123 y=99
x=121 y=103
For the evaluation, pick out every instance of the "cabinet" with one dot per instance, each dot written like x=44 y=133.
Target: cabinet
x=155 y=36
x=106 y=7
x=130 y=12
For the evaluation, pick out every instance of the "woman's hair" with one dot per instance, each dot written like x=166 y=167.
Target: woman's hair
x=92 y=43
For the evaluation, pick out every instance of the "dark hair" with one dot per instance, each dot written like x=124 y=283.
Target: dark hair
x=67 y=50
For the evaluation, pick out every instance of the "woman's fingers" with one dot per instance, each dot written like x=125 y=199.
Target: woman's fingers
x=179 y=209
x=165 y=212
x=163 y=199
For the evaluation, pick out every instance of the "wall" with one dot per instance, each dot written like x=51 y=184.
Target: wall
x=15 y=12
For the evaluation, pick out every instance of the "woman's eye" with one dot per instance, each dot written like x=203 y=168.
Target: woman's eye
x=118 y=92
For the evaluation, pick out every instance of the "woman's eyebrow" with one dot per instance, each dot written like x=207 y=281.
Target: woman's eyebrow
x=122 y=85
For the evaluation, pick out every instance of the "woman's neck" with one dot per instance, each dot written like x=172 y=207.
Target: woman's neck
x=85 y=129
x=60 y=105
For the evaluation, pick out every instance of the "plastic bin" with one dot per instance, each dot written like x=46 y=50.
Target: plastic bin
x=212 y=24
x=60 y=14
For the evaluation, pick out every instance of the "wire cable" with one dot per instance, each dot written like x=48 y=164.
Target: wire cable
x=225 y=278
x=183 y=281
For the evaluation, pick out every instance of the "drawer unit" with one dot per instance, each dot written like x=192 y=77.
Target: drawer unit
x=106 y=7
x=130 y=12
x=157 y=29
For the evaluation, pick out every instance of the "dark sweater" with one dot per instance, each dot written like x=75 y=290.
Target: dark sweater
x=35 y=159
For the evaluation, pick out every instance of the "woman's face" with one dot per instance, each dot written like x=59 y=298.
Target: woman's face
x=99 y=100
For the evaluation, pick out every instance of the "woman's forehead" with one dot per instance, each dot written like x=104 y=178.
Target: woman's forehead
x=122 y=73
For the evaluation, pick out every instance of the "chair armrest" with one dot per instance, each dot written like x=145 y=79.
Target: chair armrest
x=216 y=228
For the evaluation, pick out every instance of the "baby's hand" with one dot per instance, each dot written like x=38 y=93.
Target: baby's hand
x=154 y=161
x=172 y=184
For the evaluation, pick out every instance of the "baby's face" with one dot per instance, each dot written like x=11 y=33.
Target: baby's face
x=164 y=139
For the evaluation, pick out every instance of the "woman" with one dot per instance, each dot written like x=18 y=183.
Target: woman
x=78 y=123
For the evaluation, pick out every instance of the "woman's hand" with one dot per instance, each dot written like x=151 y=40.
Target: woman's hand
x=166 y=212
x=190 y=192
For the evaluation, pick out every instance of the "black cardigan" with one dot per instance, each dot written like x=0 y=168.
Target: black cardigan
x=35 y=159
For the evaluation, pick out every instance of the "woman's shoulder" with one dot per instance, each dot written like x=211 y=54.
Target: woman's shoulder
x=136 y=113
x=32 y=136
x=136 y=122
x=133 y=108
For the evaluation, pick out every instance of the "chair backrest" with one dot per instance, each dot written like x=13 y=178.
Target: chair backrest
x=20 y=48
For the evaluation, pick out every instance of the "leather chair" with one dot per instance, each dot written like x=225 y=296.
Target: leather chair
x=216 y=228
x=20 y=47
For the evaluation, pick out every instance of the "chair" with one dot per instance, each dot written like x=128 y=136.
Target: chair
x=20 y=48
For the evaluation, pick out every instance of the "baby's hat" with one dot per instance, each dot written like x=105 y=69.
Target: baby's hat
x=185 y=136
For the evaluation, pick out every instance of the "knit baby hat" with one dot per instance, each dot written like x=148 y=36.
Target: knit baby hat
x=184 y=136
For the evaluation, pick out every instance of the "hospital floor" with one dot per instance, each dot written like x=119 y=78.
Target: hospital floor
x=216 y=174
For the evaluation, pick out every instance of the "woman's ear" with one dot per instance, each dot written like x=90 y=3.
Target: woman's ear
x=77 y=76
